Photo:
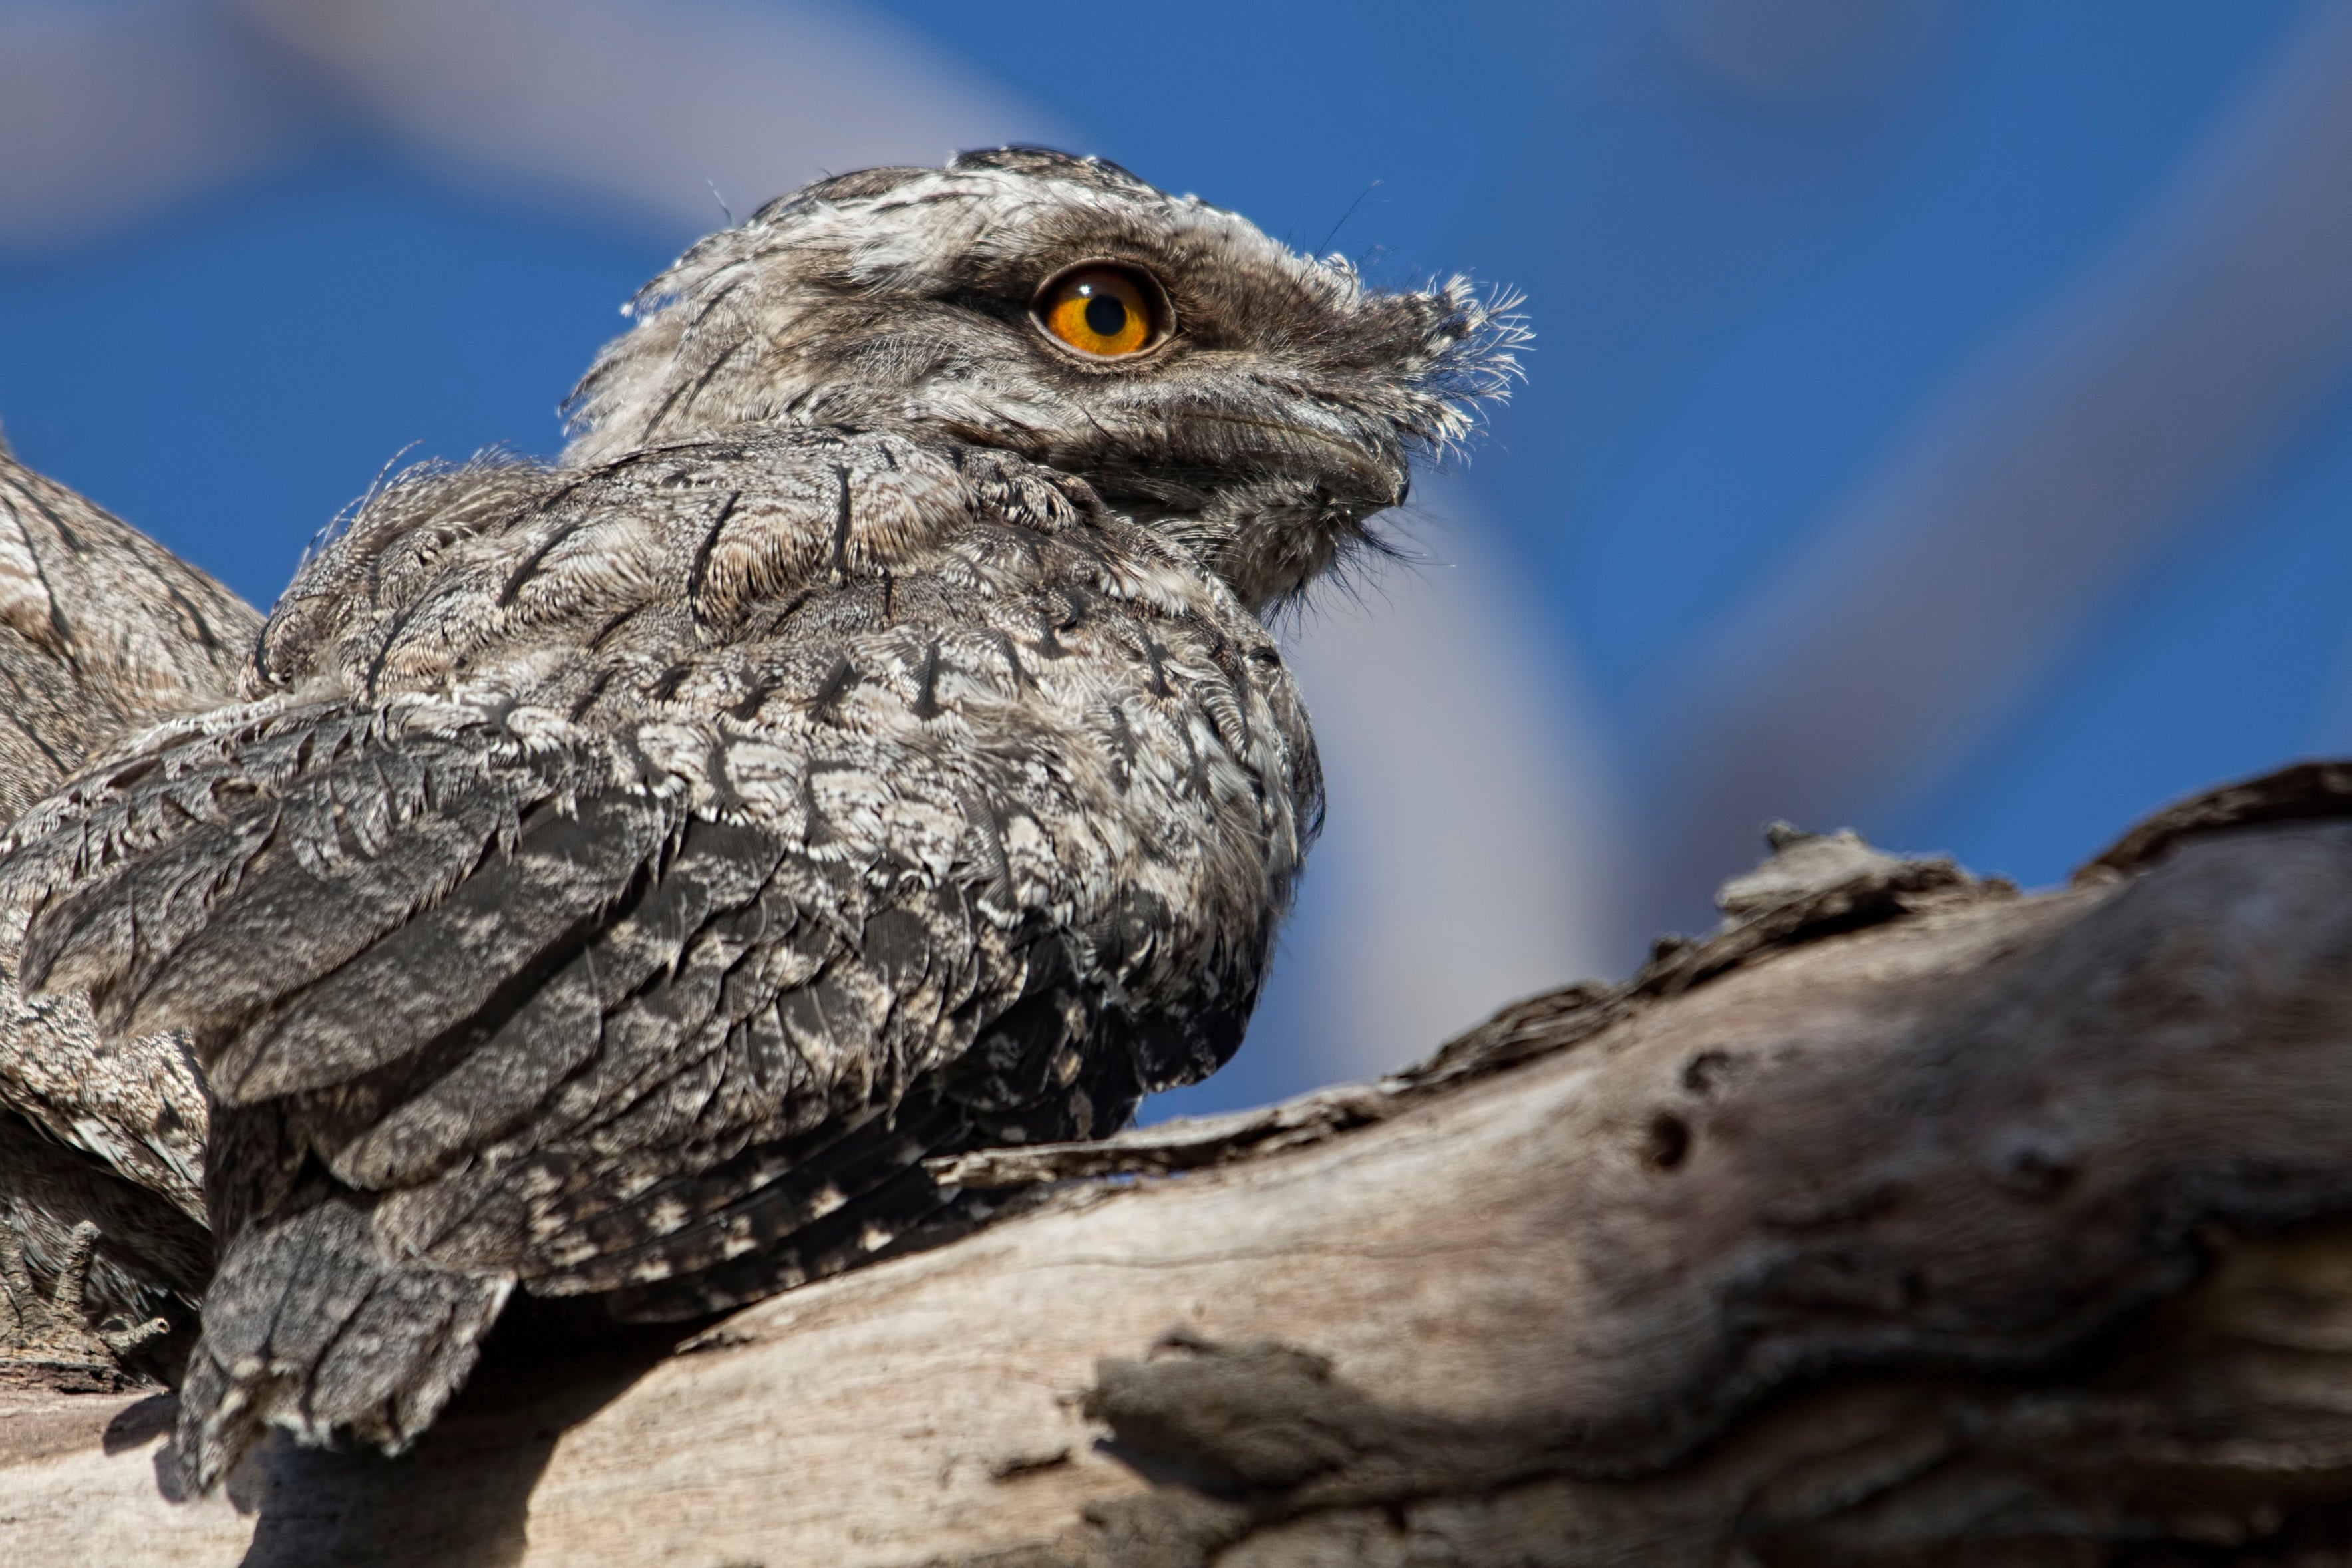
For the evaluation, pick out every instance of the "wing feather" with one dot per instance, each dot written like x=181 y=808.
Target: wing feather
x=499 y=934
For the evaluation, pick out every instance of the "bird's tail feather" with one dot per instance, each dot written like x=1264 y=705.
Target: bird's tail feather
x=309 y=1327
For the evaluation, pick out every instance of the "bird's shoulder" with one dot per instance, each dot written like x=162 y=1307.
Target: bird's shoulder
x=861 y=640
x=693 y=546
x=599 y=847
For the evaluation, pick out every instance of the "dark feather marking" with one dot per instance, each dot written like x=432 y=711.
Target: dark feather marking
x=596 y=689
x=771 y=616
x=755 y=697
x=1123 y=747
x=986 y=820
x=689 y=391
x=817 y=831
x=711 y=533
x=1196 y=767
x=194 y=617
x=605 y=632
x=57 y=760
x=926 y=683
x=838 y=680
x=531 y=563
x=718 y=299
x=65 y=647
x=841 y=525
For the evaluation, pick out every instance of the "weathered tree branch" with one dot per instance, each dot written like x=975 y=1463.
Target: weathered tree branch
x=1902 y=1220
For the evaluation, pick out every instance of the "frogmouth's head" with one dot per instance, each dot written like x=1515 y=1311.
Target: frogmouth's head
x=1256 y=405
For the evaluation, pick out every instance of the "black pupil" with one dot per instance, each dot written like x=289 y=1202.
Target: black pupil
x=1105 y=316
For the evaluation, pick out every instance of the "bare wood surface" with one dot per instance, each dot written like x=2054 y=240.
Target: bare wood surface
x=1903 y=1220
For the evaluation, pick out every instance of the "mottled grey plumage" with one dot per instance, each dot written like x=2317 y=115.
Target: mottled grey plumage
x=101 y=632
x=862 y=745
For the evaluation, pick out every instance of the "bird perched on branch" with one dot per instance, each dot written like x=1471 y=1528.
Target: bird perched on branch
x=862 y=745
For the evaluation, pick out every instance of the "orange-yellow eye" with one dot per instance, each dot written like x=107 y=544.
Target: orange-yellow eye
x=1099 y=310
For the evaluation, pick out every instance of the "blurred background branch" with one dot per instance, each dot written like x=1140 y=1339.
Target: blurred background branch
x=2075 y=446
